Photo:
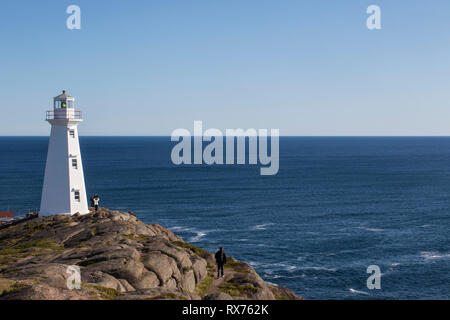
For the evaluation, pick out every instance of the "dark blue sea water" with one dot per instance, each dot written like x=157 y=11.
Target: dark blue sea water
x=336 y=206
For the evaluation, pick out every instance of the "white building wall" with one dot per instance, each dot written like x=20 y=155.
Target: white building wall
x=61 y=180
x=76 y=176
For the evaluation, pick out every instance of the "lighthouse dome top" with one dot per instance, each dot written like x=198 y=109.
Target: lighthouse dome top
x=63 y=97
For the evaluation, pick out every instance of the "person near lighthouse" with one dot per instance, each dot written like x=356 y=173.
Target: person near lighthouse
x=221 y=259
x=96 y=201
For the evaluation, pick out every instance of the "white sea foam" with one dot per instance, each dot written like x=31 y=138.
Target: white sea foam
x=254 y=264
x=318 y=269
x=198 y=236
x=304 y=276
x=370 y=229
x=270 y=267
x=179 y=228
x=434 y=255
x=291 y=268
x=261 y=226
x=358 y=292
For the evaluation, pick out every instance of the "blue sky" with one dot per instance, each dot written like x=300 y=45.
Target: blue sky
x=305 y=67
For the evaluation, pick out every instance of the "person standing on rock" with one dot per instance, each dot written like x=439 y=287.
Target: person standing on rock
x=96 y=201
x=221 y=259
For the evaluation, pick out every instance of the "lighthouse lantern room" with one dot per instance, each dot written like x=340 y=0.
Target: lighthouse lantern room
x=64 y=190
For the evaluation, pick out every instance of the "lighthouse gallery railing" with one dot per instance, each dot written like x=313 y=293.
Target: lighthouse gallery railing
x=63 y=114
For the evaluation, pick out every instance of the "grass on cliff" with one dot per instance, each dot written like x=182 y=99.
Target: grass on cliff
x=237 y=266
x=203 y=287
x=190 y=248
x=135 y=237
x=19 y=250
x=237 y=290
x=166 y=296
x=281 y=296
x=106 y=293
x=37 y=227
x=42 y=244
x=9 y=286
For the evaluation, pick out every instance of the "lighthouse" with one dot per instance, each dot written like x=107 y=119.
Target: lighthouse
x=64 y=191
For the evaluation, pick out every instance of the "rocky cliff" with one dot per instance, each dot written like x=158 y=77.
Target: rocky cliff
x=119 y=257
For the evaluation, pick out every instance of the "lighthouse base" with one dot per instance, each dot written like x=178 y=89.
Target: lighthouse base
x=48 y=213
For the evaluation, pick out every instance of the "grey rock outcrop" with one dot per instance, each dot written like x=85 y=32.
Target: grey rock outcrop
x=119 y=257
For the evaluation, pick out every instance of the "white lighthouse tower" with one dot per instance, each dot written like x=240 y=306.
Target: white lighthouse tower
x=64 y=191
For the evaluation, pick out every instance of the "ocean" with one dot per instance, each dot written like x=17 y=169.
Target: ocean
x=336 y=206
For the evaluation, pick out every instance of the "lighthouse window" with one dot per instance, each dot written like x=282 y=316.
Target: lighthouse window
x=74 y=164
x=72 y=133
x=77 y=196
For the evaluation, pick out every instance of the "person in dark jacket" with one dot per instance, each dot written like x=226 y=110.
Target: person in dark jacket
x=221 y=259
x=92 y=201
x=96 y=201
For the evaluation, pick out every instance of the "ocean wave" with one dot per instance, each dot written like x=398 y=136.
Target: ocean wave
x=291 y=268
x=198 y=236
x=254 y=264
x=318 y=269
x=358 y=292
x=274 y=276
x=286 y=267
x=434 y=255
x=370 y=229
x=178 y=228
x=306 y=276
x=270 y=267
x=261 y=226
x=271 y=246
